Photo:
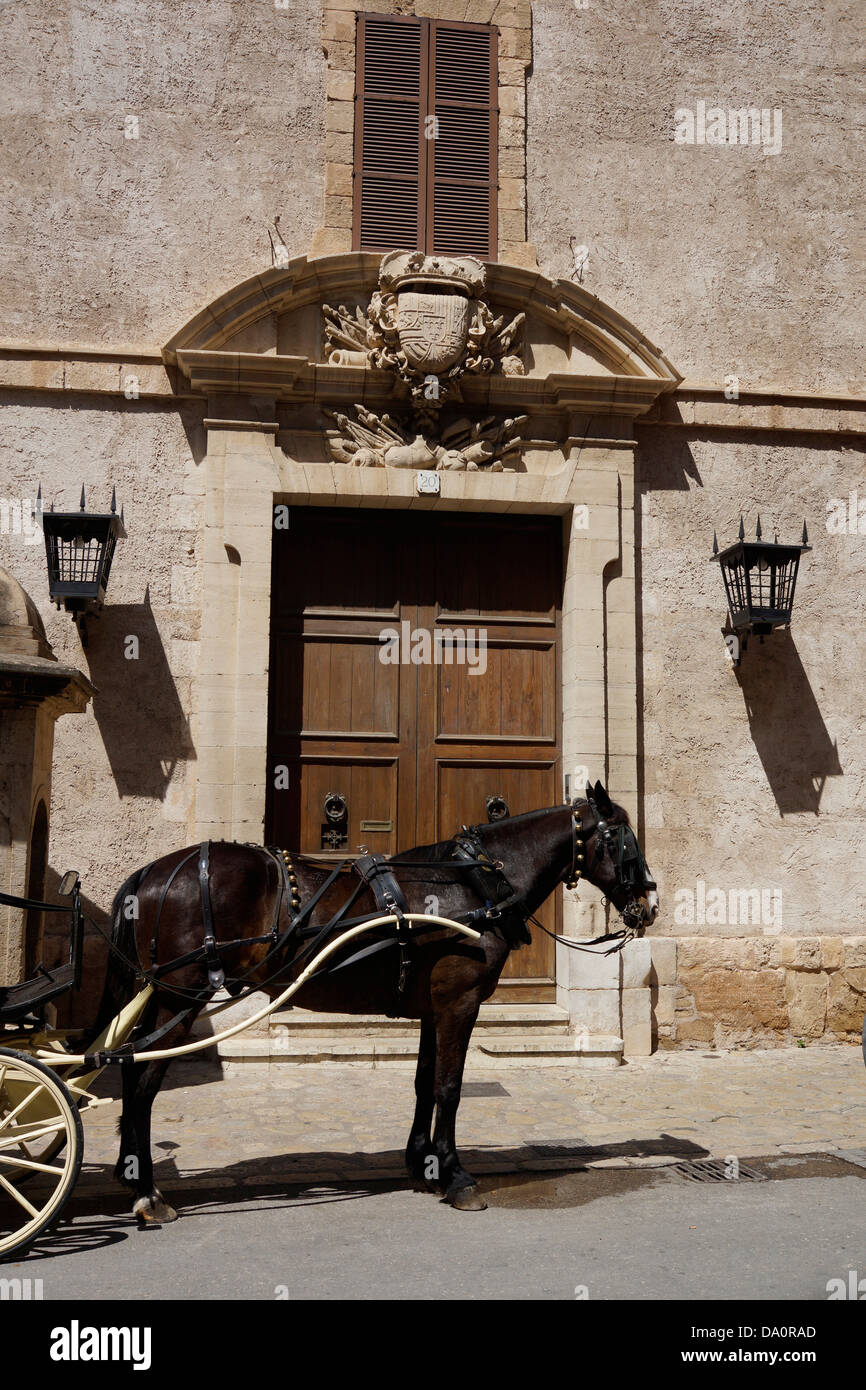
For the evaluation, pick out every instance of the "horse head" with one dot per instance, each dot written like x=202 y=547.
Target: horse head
x=608 y=855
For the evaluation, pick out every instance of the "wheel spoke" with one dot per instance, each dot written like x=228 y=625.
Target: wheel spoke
x=22 y=1201
x=29 y=1163
x=22 y=1105
x=8 y=1141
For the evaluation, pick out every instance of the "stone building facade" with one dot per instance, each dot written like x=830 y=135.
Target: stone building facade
x=181 y=235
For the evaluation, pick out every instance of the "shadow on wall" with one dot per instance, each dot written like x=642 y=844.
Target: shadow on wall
x=665 y=461
x=787 y=729
x=137 y=707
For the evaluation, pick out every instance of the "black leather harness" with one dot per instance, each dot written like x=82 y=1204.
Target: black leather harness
x=210 y=950
x=375 y=873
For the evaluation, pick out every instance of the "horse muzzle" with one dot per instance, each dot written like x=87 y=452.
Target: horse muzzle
x=641 y=912
x=650 y=904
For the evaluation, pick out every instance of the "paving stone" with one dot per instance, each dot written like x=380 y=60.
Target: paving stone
x=340 y=1123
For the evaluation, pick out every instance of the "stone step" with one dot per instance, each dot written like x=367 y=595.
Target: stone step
x=542 y=1020
x=599 y=1049
x=366 y=1049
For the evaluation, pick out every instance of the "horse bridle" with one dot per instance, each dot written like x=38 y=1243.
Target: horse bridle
x=621 y=843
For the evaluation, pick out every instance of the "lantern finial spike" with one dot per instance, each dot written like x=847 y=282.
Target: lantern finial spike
x=758 y=529
x=742 y=532
x=82 y=504
x=805 y=535
x=715 y=544
x=114 y=499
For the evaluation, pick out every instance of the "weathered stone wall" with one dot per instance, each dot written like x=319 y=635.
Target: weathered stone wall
x=748 y=993
x=118 y=240
x=732 y=260
x=124 y=771
x=735 y=261
x=738 y=262
x=754 y=775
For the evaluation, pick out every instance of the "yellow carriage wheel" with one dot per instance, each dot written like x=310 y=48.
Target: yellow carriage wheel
x=37 y=1115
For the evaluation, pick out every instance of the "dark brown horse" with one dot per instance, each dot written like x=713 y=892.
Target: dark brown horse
x=497 y=875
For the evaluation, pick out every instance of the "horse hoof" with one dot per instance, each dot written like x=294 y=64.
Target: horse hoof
x=466 y=1199
x=154 y=1210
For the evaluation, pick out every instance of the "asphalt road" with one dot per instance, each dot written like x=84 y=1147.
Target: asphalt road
x=603 y=1234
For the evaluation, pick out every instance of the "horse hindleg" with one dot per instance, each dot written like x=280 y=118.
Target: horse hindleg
x=418 y=1147
x=453 y=1031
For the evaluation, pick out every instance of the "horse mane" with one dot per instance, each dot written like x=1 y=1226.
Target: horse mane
x=441 y=851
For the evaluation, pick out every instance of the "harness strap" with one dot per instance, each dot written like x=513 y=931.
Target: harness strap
x=154 y=940
x=215 y=973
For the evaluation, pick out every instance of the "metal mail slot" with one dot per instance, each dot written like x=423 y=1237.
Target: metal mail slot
x=377 y=825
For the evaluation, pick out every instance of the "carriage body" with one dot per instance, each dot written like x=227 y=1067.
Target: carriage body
x=41 y=1135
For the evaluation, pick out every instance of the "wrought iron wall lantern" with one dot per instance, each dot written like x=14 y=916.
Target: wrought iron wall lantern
x=760 y=578
x=79 y=548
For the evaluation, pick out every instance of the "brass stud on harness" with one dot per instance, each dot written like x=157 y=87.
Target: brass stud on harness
x=293 y=880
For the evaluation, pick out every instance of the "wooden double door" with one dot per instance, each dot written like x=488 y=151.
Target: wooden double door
x=415 y=672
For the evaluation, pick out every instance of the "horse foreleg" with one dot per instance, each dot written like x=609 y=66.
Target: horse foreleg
x=150 y=1205
x=141 y=1083
x=127 y=1168
x=453 y=1031
x=418 y=1154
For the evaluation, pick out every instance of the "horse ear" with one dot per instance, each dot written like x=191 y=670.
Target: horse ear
x=588 y=790
x=603 y=801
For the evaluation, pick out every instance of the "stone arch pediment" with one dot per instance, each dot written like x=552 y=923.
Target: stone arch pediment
x=267 y=335
x=421 y=362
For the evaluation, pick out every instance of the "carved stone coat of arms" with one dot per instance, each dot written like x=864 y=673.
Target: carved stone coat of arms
x=432 y=329
x=428 y=323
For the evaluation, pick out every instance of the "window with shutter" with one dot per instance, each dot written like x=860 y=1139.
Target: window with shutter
x=425 y=136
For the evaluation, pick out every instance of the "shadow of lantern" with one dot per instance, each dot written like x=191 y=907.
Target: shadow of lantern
x=137 y=707
x=797 y=752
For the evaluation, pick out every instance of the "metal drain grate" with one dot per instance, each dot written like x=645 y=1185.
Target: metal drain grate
x=484 y=1088
x=717 y=1170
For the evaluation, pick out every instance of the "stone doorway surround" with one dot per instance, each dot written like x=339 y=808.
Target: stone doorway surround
x=260 y=356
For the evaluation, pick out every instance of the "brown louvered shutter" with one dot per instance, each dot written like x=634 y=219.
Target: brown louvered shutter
x=391 y=82
x=461 y=174
x=436 y=195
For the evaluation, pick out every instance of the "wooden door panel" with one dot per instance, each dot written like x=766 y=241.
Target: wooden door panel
x=508 y=569
x=346 y=688
x=479 y=729
x=371 y=793
x=463 y=789
x=514 y=699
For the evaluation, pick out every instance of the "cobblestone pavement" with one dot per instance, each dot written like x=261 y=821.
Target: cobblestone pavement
x=329 y=1122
